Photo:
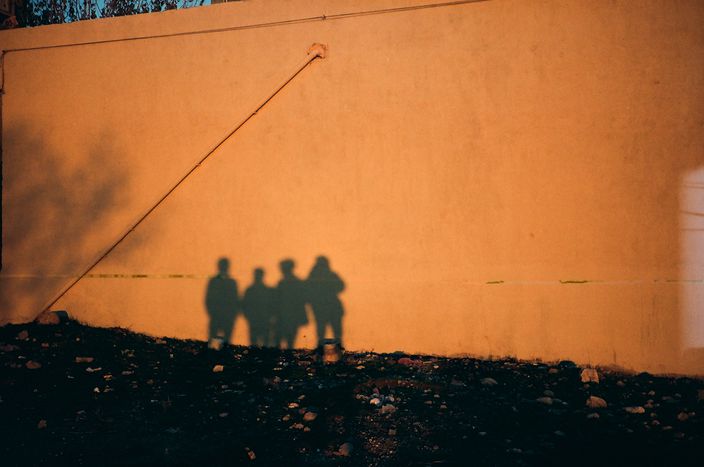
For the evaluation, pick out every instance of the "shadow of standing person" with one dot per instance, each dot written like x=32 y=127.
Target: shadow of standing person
x=290 y=305
x=323 y=286
x=221 y=302
x=258 y=303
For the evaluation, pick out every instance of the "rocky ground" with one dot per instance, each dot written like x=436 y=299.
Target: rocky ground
x=72 y=394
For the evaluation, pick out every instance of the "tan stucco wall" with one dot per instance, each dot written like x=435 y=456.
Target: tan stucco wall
x=433 y=154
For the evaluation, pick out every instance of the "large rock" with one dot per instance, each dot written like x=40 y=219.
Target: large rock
x=52 y=317
x=589 y=375
x=489 y=382
x=346 y=449
x=595 y=402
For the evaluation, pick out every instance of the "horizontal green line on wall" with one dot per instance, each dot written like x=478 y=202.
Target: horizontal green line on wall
x=491 y=282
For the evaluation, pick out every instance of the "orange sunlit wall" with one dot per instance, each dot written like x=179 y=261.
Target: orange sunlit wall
x=489 y=178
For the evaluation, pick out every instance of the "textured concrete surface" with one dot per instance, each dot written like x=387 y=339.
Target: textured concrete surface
x=494 y=178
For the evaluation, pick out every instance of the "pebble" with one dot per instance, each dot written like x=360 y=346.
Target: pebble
x=23 y=335
x=84 y=359
x=489 y=382
x=392 y=432
x=345 y=449
x=683 y=416
x=48 y=318
x=620 y=383
x=310 y=416
x=634 y=410
x=545 y=400
x=388 y=408
x=250 y=454
x=595 y=402
x=218 y=368
x=32 y=365
x=548 y=393
x=553 y=371
x=375 y=401
x=593 y=415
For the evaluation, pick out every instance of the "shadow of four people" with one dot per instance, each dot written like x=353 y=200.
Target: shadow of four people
x=275 y=314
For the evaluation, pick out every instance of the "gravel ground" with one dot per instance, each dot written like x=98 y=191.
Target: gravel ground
x=73 y=394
